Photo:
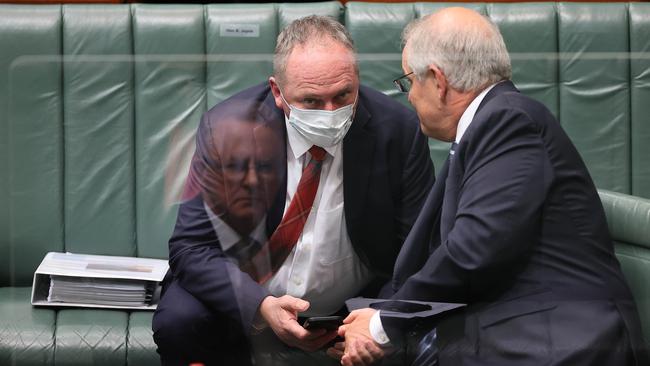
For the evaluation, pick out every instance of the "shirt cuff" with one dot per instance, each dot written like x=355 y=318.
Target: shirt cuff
x=377 y=330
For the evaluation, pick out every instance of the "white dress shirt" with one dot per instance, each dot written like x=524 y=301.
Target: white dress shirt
x=322 y=268
x=376 y=328
x=228 y=237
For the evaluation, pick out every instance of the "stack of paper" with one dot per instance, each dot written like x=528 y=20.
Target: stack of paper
x=66 y=279
x=100 y=291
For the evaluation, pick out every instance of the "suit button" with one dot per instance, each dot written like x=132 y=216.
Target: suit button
x=297 y=281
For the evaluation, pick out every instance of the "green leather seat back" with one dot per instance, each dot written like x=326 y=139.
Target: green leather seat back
x=288 y=12
x=170 y=97
x=99 y=106
x=98 y=185
x=98 y=142
x=98 y=110
x=376 y=29
x=531 y=35
x=594 y=75
x=640 y=107
x=240 y=45
x=628 y=219
x=31 y=119
x=240 y=42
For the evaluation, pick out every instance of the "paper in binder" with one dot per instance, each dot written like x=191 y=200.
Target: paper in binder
x=80 y=280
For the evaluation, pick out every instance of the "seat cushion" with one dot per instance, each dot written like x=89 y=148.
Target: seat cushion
x=141 y=348
x=26 y=333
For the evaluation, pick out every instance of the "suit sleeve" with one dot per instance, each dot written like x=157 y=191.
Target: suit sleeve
x=501 y=181
x=197 y=262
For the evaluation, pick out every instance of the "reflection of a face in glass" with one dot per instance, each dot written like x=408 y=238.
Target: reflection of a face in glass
x=242 y=177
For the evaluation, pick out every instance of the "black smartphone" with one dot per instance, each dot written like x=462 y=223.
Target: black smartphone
x=323 y=322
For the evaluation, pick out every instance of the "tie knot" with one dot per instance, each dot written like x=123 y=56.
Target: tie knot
x=317 y=153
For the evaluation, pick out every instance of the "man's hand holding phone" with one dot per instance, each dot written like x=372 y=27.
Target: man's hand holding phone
x=281 y=314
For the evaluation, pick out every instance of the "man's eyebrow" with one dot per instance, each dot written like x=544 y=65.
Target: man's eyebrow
x=346 y=89
x=311 y=96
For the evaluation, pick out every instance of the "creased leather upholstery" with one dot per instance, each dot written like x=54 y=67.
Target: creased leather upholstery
x=99 y=105
x=26 y=333
x=628 y=219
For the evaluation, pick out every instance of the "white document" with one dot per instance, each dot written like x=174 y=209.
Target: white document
x=80 y=280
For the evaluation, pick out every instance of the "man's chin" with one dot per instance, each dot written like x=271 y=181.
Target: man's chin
x=251 y=216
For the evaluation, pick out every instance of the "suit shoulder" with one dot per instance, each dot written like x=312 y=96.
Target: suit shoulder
x=518 y=103
x=255 y=94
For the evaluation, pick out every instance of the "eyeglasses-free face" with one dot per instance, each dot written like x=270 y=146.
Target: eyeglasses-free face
x=403 y=83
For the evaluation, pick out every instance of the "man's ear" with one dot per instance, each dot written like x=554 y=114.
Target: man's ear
x=275 y=89
x=441 y=82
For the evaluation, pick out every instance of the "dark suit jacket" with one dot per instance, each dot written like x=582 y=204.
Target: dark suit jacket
x=514 y=228
x=387 y=175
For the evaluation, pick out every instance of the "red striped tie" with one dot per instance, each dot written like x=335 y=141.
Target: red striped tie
x=288 y=232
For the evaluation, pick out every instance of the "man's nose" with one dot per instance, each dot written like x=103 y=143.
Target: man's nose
x=330 y=106
x=251 y=179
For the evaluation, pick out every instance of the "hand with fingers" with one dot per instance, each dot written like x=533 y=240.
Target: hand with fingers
x=281 y=314
x=337 y=350
x=359 y=348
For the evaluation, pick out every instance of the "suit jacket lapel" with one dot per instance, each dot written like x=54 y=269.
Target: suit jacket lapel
x=276 y=211
x=419 y=242
x=450 y=202
x=456 y=170
x=358 y=151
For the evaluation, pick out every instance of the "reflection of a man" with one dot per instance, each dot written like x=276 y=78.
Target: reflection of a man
x=237 y=169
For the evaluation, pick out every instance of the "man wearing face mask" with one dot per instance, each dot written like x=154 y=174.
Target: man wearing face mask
x=357 y=171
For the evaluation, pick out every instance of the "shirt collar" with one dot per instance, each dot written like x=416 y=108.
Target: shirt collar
x=228 y=237
x=469 y=113
x=300 y=145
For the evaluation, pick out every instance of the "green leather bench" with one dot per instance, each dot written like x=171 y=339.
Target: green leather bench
x=99 y=105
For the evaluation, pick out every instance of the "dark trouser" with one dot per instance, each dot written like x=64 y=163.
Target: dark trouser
x=186 y=331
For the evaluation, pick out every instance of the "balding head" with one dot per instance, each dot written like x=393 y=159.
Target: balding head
x=311 y=32
x=466 y=46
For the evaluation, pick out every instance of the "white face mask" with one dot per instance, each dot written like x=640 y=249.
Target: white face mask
x=322 y=128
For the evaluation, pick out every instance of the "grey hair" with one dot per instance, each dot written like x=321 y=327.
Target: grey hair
x=469 y=56
x=308 y=29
